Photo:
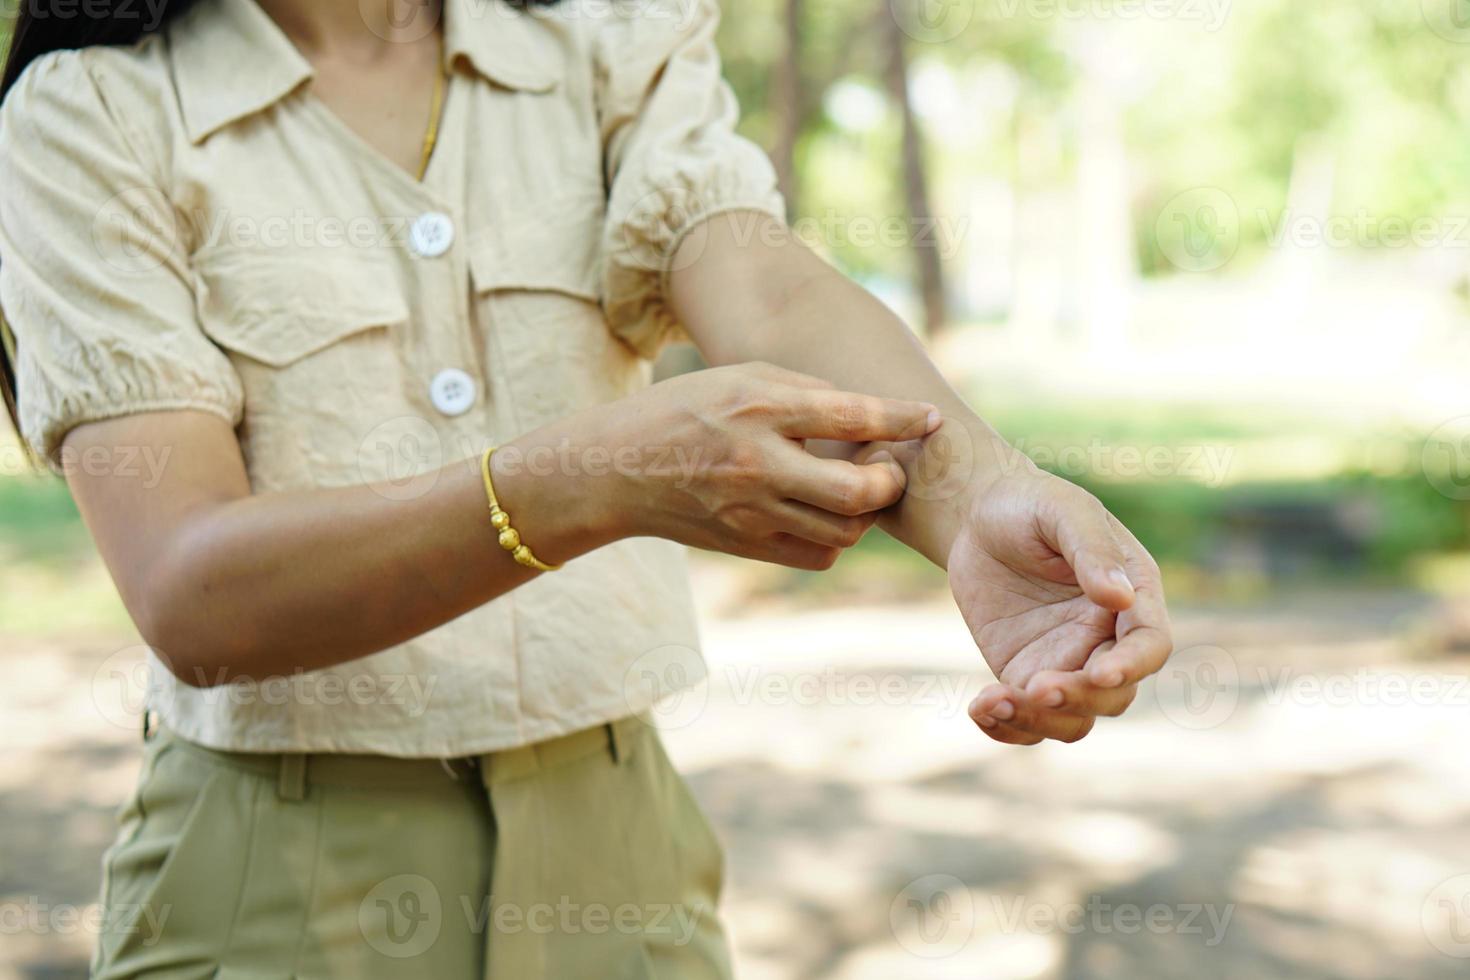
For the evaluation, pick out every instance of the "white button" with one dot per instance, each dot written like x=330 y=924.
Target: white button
x=431 y=234
x=452 y=391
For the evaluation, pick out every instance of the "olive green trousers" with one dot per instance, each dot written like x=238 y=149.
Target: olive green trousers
x=581 y=857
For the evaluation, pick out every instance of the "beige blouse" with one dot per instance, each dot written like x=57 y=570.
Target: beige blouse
x=183 y=225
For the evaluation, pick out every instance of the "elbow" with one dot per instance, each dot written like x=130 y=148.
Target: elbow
x=168 y=610
x=187 y=651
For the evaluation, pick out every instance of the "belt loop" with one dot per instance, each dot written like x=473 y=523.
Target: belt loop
x=615 y=743
x=292 y=785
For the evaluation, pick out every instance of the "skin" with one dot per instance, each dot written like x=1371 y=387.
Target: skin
x=1065 y=604
x=821 y=412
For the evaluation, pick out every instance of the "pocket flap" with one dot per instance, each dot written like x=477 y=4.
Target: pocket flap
x=278 y=306
x=558 y=251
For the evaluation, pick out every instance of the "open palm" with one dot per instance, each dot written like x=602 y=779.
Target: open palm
x=1064 y=603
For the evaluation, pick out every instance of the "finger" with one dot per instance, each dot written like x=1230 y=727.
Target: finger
x=820 y=526
x=839 y=486
x=1145 y=638
x=792 y=552
x=1081 y=531
x=1141 y=651
x=1009 y=707
x=1072 y=692
x=849 y=417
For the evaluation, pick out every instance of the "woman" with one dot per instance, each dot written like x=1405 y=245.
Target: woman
x=318 y=259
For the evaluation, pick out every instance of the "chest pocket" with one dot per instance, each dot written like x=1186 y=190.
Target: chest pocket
x=553 y=252
x=279 y=307
x=537 y=283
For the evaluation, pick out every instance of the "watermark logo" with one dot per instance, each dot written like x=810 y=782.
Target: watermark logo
x=1199 y=687
x=932 y=21
x=1445 y=458
x=665 y=683
x=934 y=916
x=401 y=916
x=1199 y=230
x=1445 y=917
x=1211 y=15
x=122 y=688
x=400 y=458
x=1450 y=19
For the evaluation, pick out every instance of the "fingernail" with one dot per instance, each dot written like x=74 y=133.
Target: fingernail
x=1110 y=678
x=1054 y=699
x=935 y=421
x=1121 y=580
x=881 y=456
x=985 y=721
x=1004 y=711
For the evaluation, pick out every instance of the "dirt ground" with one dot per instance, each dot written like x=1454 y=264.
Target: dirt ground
x=1291 y=799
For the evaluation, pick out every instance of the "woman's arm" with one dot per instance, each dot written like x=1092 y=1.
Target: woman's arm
x=226 y=584
x=1048 y=580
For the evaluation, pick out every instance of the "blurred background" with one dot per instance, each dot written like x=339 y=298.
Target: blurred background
x=1209 y=259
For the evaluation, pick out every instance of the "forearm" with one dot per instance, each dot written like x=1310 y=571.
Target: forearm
x=262 y=585
x=746 y=291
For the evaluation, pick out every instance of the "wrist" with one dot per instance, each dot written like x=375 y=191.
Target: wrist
x=548 y=482
x=948 y=472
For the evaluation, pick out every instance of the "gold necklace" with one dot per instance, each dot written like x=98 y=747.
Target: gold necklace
x=431 y=136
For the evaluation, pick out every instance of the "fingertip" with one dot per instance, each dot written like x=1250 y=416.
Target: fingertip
x=1111 y=589
x=933 y=420
x=1106 y=675
x=1122 y=582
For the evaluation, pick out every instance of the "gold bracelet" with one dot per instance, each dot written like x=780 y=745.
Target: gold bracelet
x=509 y=537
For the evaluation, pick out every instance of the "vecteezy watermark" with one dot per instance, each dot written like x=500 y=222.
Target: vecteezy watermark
x=1200 y=688
x=1098 y=917
x=400 y=459
x=932 y=21
x=1445 y=458
x=1450 y=19
x=1200 y=230
x=1363 y=229
x=406 y=23
x=143 y=463
x=134 y=680
x=1207 y=464
x=139 y=230
x=933 y=916
x=37 y=917
x=755 y=685
x=646 y=247
x=147 y=14
x=665 y=685
x=1211 y=15
x=937 y=915
x=1445 y=916
x=403 y=916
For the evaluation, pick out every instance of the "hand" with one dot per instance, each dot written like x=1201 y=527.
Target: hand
x=731 y=472
x=1065 y=604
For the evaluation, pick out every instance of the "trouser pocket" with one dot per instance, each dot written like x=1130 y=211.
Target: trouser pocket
x=175 y=876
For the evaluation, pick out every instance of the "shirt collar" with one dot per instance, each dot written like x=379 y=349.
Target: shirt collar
x=231 y=60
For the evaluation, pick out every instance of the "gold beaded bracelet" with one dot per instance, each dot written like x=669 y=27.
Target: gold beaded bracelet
x=509 y=537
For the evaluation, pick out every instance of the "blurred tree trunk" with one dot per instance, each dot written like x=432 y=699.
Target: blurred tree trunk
x=790 y=106
x=915 y=180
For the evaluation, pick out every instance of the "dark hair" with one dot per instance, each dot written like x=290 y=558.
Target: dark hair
x=40 y=28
